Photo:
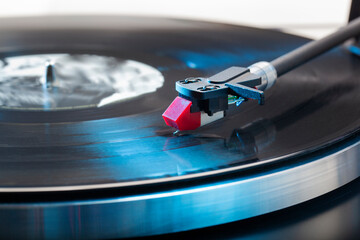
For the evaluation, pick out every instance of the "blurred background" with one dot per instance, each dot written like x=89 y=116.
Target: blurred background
x=310 y=18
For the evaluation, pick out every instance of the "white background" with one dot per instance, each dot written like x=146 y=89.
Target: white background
x=312 y=18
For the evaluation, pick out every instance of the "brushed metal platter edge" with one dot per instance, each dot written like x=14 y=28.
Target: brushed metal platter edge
x=183 y=209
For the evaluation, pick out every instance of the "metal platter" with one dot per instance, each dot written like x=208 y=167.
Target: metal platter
x=117 y=170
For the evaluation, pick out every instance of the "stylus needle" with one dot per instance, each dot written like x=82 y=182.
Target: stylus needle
x=179 y=116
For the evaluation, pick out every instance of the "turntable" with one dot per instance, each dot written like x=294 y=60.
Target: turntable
x=85 y=152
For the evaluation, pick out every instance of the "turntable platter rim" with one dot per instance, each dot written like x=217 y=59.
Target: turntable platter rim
x=232 y=200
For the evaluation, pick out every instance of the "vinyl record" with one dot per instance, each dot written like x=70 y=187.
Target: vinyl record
x=121 y=158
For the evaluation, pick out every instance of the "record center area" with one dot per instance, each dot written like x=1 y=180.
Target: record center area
x=68 y=81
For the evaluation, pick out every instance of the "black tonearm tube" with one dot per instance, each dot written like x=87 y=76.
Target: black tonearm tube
x=204 y=100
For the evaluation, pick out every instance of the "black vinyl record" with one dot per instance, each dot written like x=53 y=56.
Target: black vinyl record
x=309 y=108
